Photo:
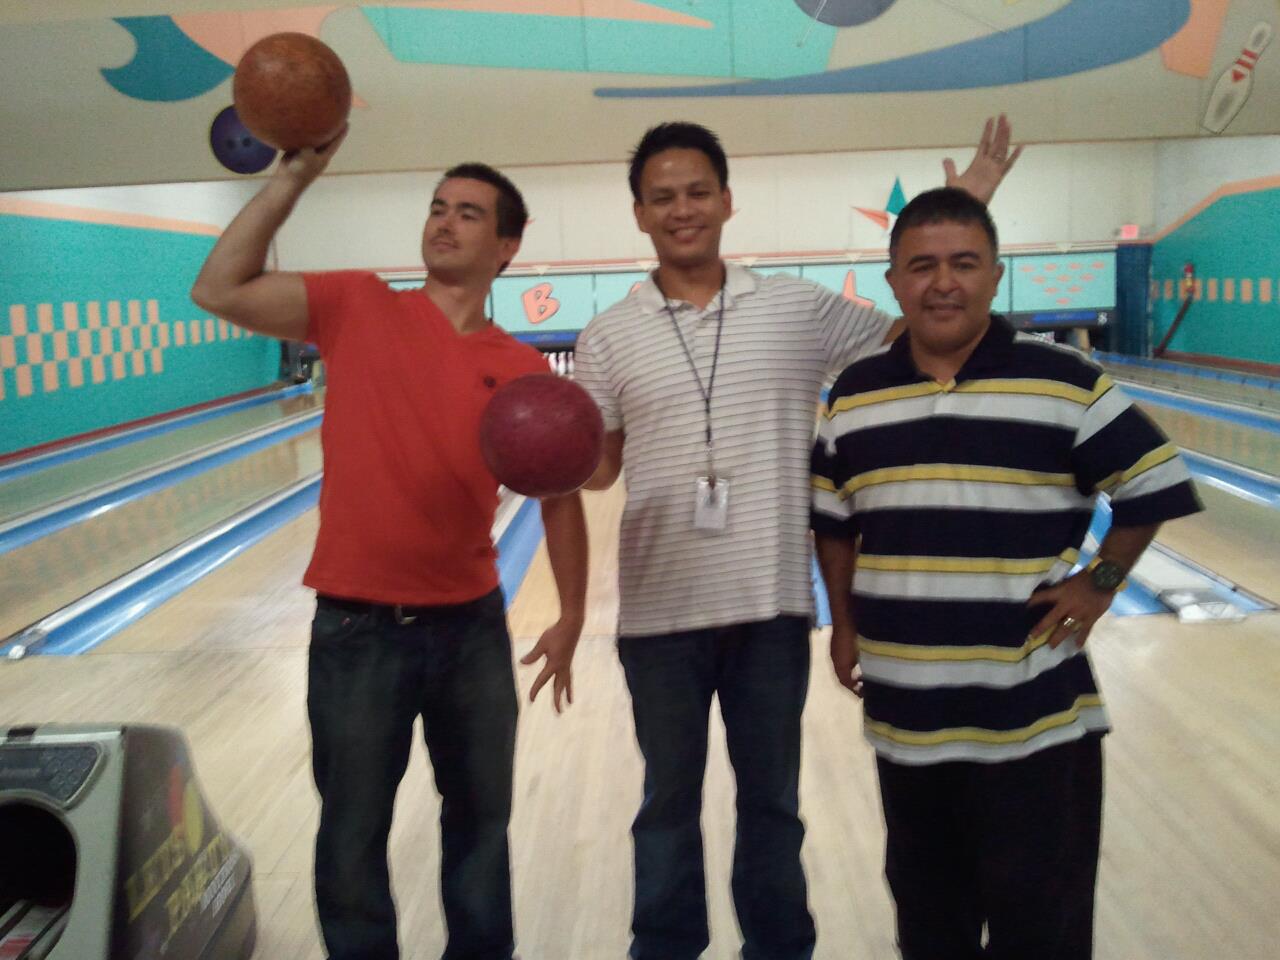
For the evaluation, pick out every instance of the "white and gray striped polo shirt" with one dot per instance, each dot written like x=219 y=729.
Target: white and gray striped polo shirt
x=782 y=337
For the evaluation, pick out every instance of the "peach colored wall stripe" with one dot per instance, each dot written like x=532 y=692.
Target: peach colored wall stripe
x=44 y=317
x=117 y=366
x=139 y=365
x=71 y=316
x=94 y=314
x=75 y=373
x=1264 y=289
x=157 y=361
x=113 y=313
x=60 y=348
x=153 y=311
x=1226 y=190
x=8 y=354
x=98 y=368
x=49 y=374
x=14 y=206
x=35 y=348
x=18 y=320
x=1190 y=50
x=24 y=380
x=1246 y=290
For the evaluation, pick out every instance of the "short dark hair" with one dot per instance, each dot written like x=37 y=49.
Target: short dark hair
x=512 y=215
x=678 y=135
x=943 y=205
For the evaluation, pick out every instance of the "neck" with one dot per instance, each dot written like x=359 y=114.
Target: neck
x=696 y=284
x=463 y=303
x=942 y=366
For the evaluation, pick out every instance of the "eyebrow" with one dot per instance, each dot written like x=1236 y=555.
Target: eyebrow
x=933 y=258
x=464 y=205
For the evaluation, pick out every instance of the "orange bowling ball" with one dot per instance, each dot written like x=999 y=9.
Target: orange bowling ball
x=541 y=435
x=292 y=91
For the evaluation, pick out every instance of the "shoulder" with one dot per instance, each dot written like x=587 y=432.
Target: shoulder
x=620 y=316
x=878 y=371
x=1042 y=360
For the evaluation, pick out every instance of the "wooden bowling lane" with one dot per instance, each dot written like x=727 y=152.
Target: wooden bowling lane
x=1235 y=538
x=53 y=571
x=1191 y=850
x=1253 y=448
x=24 y=494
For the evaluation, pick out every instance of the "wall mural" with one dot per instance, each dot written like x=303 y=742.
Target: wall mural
x=771 y=75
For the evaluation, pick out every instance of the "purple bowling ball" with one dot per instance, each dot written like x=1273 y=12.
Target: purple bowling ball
x=235 y=147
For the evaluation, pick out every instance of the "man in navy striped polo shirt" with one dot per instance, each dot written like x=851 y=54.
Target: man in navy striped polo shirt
x=955 y=474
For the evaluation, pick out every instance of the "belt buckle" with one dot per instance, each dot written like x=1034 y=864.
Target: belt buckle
x=401 y=618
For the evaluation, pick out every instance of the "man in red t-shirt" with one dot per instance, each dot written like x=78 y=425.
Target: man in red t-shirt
x=410 y=620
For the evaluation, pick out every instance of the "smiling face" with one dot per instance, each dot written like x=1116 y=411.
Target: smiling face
x=682 y=207
x=460 y=239
x=945 y=276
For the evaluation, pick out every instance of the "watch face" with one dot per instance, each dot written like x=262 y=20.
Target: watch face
x=1107 y=576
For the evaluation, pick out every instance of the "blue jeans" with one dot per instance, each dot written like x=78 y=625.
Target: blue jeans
x=369 y=677
x=760 y=671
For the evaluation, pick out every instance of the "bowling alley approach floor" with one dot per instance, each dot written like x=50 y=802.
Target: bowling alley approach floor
x=1191 y=847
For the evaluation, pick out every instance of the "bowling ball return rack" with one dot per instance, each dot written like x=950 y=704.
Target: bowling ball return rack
x=108 y=850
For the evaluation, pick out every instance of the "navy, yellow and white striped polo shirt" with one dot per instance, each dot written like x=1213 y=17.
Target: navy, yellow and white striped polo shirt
x=968 y=496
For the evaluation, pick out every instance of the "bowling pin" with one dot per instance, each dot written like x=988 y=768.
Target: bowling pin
x=551 y=361
x=560 y=365
x=1236 y=82
x=570 y=370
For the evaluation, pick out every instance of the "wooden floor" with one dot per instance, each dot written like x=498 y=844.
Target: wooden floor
x=1191 y=853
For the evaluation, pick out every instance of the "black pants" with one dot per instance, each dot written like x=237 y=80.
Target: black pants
x=1012 y=845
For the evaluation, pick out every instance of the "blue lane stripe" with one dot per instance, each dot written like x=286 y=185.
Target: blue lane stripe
x=26 y=533
x=1204 y=373
x=1264 y=491
x=1213 y=411
x=106 y=619
x=516 y=547
x=39 y=462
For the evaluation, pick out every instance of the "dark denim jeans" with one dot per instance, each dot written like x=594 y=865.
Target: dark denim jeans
x=760 y=671
x=369 y=677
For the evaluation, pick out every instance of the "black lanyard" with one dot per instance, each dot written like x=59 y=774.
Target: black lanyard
x=715 y=359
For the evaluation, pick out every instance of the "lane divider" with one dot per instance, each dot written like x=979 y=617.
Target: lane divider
x=20 y=531
x=82 y=625
x=28 y=465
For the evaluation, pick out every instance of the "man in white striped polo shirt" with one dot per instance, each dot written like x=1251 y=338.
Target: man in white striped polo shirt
x=957 y=473
x=708 y=377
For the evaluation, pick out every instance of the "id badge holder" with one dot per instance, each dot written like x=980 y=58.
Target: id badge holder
x=711 y=505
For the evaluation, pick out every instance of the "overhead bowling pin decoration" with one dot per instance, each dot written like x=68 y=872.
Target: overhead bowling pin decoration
x=1236 y=83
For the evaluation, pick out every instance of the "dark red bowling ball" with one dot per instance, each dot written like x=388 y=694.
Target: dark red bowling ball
x=541 y=435
x=292 y=91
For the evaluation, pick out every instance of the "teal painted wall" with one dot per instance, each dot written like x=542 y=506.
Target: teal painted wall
x=563 y=303
x=97 y=329
x=1235 y=246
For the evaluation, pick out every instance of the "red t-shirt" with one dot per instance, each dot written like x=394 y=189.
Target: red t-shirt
x=407 y=503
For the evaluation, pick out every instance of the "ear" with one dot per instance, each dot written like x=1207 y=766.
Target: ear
x=727 y=195
x=508 y=247
x=637 y=208
x=999 y=270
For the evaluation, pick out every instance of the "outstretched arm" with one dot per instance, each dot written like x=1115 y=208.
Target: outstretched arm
x=990 y=163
